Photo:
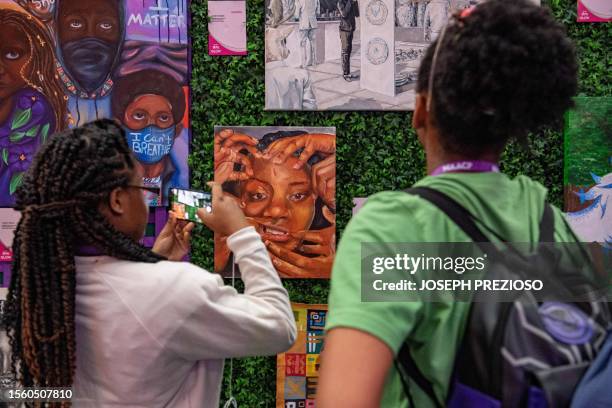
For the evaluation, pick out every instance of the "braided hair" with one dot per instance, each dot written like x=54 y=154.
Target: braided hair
x=503 y=70
x=70 y=177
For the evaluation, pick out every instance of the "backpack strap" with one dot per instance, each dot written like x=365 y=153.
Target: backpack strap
x=465 y=220
x=455 y=211
x=406 y=362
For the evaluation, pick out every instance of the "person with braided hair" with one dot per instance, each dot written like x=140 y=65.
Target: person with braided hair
x=496 y=72
x=90 y=308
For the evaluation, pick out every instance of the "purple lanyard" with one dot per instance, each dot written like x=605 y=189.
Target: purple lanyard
x=467 y=166
x=87 y=250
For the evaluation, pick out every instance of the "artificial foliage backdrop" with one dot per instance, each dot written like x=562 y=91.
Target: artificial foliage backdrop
x=376 y=150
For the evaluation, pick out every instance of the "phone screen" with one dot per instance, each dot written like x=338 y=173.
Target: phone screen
x=185 y=203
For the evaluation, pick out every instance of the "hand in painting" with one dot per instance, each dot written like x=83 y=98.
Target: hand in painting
x=173 y=241
x=292 y=264
x=324 y=182
x=312 y=143
x=228 y=148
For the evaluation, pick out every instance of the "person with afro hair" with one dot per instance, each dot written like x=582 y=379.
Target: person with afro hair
x=496 y=72
x=150 y=105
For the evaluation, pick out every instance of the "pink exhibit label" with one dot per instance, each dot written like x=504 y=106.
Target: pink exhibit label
x=8 y=222
x=6 y=255
x=227 y=28
x=594 y=11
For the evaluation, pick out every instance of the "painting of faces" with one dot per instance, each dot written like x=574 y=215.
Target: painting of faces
x=284 y=179
x=346 y=55
x=64 y=63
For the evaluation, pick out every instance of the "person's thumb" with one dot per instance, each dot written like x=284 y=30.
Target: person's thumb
x=205 y=216
x=170 y=224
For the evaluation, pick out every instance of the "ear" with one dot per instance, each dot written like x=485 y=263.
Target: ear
x=420 y=115
x=117 y=201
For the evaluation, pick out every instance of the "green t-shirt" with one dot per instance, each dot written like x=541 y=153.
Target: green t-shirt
x=511 y=207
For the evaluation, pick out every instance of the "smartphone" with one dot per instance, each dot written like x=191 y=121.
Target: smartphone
x=185 y=203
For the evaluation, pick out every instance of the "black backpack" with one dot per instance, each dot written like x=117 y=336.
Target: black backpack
x=511 y=355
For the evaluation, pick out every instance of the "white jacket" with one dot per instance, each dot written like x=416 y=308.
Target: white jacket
x=156 y=335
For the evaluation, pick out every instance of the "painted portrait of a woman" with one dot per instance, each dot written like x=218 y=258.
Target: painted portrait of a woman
x=32 y=105
x=285 y=182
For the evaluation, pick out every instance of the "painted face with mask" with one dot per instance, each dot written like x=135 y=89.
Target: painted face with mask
x=149 y=125
x=89 y=34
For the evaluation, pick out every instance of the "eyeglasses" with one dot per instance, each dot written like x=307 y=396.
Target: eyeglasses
x=152 y=190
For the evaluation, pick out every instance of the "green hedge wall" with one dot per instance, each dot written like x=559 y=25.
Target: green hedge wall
x=376 y=151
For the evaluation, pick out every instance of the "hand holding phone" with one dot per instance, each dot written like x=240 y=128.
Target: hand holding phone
x=174 y=240
x=226 y=216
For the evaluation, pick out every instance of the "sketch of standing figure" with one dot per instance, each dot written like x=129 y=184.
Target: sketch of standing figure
x=436 y=16
x=287 y=88
x=306 y=12
x=348 y=11
x=405 y=13
x=420 y=12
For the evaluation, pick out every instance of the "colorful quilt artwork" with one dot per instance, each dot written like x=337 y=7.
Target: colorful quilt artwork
x=284 y=179
x=297 y=370
x=69 y=62
x=588 y=169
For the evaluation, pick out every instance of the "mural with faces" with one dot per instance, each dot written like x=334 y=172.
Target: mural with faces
x=64 y=63
x=284 y=179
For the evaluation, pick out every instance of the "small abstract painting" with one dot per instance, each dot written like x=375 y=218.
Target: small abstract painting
x=297 y=370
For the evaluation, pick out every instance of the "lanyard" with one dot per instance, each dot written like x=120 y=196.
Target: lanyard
x=467 y=166
x=87 y=250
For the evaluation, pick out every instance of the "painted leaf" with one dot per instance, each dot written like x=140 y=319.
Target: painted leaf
x=33 y=132
x=21 y=118
x=16 y=181
x=44 y=133
x=16 y=136
x=5 y=156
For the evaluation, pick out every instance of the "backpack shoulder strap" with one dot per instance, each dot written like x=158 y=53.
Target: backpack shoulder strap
x=455 y=211
x=465 y=220
x=406 y=362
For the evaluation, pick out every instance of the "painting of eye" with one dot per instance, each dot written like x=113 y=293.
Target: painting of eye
x=257 y=196
x=106 y=26
x=298 y=196
x=164 y=118
x=76 y=24
x=139 y=115
x=12 y=55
